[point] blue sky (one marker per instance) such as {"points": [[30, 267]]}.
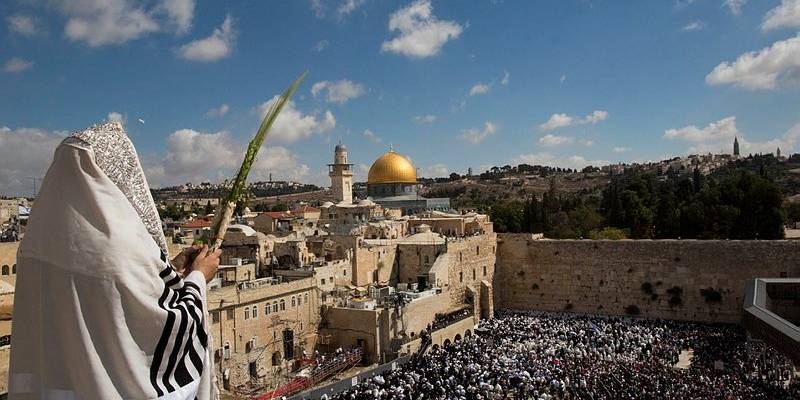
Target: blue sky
{"points": [[451, 84]]}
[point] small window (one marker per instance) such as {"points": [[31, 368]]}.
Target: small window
{"points": [[255, 311], [294, 304], [473, 274], [5, 269], [229, 314], [461, 277], [215, 317], [305, 298], [14, 269], [301, 325], [344, 271], [478, 250], [266, 309], [324, 297], [247, 313], [274, 306], [323, 281], [484, 270], [427, 259], [283, 305]]}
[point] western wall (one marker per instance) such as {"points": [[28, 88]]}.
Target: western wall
{"points": [[675, 279]]}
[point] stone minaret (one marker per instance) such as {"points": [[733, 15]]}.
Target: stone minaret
{"points": [[341, 174], [735, 146]]}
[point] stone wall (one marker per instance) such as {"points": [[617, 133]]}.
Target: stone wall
{"points": [[657, 278]]}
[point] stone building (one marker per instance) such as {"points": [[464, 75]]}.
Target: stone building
{"points": [[261, 328]]}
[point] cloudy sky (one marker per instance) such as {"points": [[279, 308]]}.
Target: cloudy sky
{"points": [[452, 84]]}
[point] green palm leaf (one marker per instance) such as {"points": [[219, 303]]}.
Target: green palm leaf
{"points": [[237, 189]]}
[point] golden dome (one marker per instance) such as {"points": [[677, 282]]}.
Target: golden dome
{"points": [[392, 168]]}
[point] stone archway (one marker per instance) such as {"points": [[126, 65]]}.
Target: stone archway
{"points": [[467, 333], [446, 343], [457, 338]]}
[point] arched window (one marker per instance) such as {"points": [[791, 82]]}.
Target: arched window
{"points": [[14, 269], [274, 306], [484, 270], [266, 309], [255, 311], [305, 298], [5, 269], [247, 313], [478, 250], [294, 304], [283, 305], [473, 274], [461, 277], [427, 260]]}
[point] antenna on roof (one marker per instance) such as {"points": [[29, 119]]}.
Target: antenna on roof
{"points": [[391, 147]]}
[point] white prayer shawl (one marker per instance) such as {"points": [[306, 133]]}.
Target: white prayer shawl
{"points": [[99, 311]]}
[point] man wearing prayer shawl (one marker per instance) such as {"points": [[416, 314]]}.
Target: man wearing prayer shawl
{"points": [[100, 312]]}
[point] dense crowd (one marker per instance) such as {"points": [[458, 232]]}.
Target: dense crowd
{"points": [[568, 356]]}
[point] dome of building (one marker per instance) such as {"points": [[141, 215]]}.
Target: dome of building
{"points": [[392, 167]]}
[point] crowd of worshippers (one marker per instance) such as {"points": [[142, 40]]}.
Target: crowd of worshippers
{"points": [[534, 355], [442, 320]]}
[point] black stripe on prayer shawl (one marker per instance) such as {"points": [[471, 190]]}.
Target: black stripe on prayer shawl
{"points": [[182, 302], [173, 357], [162, 343]]}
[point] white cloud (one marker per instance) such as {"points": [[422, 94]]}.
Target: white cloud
{"points": [[556, 121], [25, 154], [15, 65], [282, 163], [477, 135], [621, 149], [595, 117], [735, 6], [561, 120], [587, 142], [425, 119], [348, 6], [506, 78], [718, 136], [292, 125], [321, 45], [722, 129], [434, 171], [22, 25], [551, 140], [421, 34], [318, 8], [339, 91], [196, 156], [371, 136], [693, 26], [217, 111], [563, 78], [107, 22], [763, 69], [547, 159], [479, 88], [215, 47], [786, 15], [180, 13], [115, 117]]}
